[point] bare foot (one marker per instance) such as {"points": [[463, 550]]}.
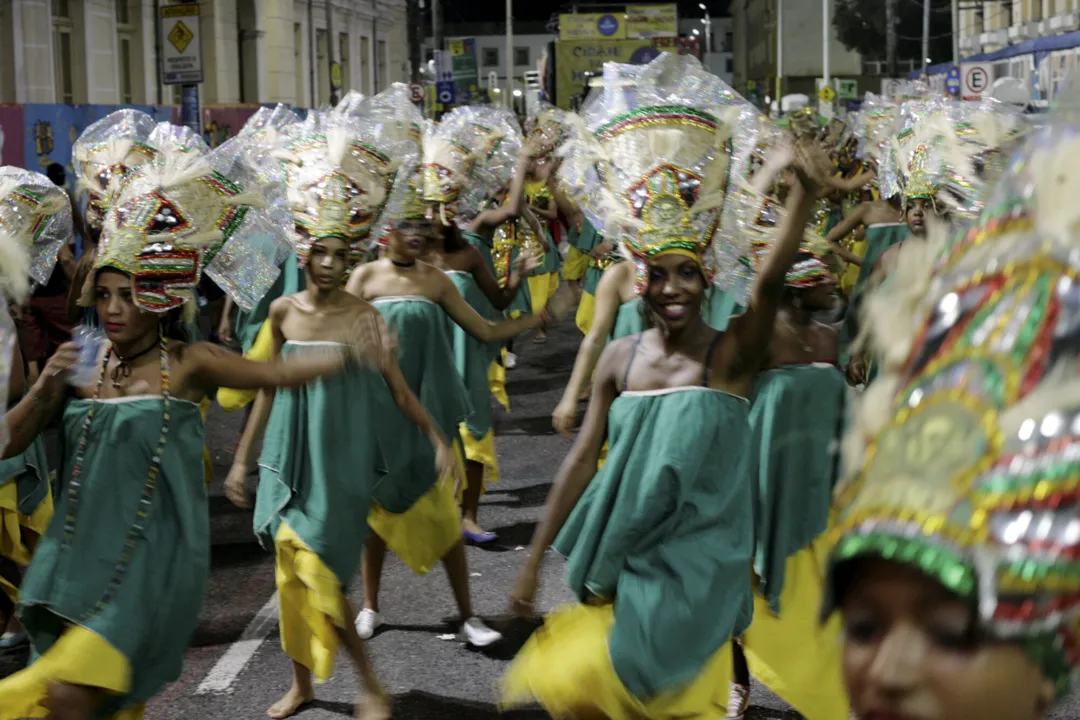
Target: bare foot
{"points": [[373, 707], [291, 703]]}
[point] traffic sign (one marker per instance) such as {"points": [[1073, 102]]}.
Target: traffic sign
{"points": [[416, 93], [847, 89], [976, 79], [952, 81], [827, 94], [444, 92], [335, 74], [444, 66], [181, 54]]}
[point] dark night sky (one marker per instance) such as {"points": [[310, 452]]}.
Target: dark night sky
{"points": [[456, 11]]}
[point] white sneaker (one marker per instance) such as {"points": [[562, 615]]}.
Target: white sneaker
{"points": [[366, 622], [477, 634], [738, 701], [511, 361]]}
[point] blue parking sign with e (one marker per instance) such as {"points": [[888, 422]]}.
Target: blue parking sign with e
{"points": [[607, 25], [444, 93], [952, 80]]}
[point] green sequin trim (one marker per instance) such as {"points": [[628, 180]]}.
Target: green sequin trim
{"points": [[944, 565], [641, 112]]}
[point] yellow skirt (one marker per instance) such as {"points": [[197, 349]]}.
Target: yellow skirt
{"points": [[13, 526], [261, 351], [78, 657], [481, 451], [312, 605], [575, 265], [809, 680], [851, 272], [422, 535], [585, 310], [566, 667], [497, 381], [541, 288]]}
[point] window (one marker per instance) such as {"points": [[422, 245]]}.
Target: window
{"points": [[343, 59], [521, 57], [322, 66], [63, 76], [729, 41], [125, 34], [298, 62], [727, 65], [383, 67], [491, 57], [365, 65]]}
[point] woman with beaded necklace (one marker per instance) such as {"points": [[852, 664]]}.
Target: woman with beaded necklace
{"points": [[113, 593]]}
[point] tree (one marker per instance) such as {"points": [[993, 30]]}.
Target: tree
{"points": [[860, 25]]}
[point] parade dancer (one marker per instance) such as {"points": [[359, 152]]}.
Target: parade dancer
{"points": [[35, 224], [660, 541], [953, 549], [316, 471], [112, 595], [796, 415], [414, 514], [474, 153]]}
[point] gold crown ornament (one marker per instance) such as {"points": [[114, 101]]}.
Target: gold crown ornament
{"points": [[468, 157], [963, 459], [650, 167], [185, 213]]}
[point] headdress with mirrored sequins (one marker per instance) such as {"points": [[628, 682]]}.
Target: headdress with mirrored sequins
{"points": [[546, 131], [35, 222], [468, 157], [962, 458], [188, 212], [650, 167], [339, 173]]}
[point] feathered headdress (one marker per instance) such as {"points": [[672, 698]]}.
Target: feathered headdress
{"points": [[962, 458], [188, 212], [467, 157], [651, 166]]}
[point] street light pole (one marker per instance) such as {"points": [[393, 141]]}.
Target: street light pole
{"points": [[956, 32], [708, 29], [925, 37], [510, 54], [779, 52], [826, 79]]}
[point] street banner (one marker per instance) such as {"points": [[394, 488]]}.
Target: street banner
{"points": [[466, 75], [575, 58], [651, 21], [592, 26]]}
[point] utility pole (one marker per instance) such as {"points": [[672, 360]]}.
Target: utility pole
{"points": [[779, 55], [414, 19], [956, 32], [925, 38], [332, 67], [437, 25], [890, 37], [826, 78], [510, 54]]}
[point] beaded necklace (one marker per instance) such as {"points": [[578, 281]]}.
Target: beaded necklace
{"points": [[75, 484]]}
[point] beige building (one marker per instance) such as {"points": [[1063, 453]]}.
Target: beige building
{"points": [[755, 48], [253, 51], [993, 24]]}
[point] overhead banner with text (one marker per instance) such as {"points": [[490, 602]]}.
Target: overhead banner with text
{"points": [[574, 59], [592, 26], [651, 21]]}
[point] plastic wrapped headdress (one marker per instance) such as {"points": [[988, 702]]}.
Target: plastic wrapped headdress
{"points": [[339, 173], [650, 168], [546, 131], [188, 212], [468, 157], [963, 460]]}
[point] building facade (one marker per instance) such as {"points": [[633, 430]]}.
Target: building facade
{"points": [[530, 43], [717, 43], [755, 49], [105, 52]]}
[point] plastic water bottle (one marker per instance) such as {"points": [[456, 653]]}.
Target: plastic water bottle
{"points": [[85, 372]]}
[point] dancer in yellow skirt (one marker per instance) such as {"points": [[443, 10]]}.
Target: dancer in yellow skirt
{"points": [[659, 542]]}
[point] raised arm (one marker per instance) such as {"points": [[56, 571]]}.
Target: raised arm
{"points": [[537, 228], [499, 297], [574, 476], [851, 184], [608, 300], [845, 227], [38, 407], [494, 217], [470, 321]]}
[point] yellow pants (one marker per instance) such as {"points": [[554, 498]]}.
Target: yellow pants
{"points": [[566, 667], [809, 680], [13, 526], [585, 310], [575, 265], [541, 288], [497, 381], [78, 657]]}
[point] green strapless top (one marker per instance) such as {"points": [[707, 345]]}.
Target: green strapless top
{"points": [[666, 530]]}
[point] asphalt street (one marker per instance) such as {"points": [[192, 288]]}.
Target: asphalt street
{"points": [[235, 668]]}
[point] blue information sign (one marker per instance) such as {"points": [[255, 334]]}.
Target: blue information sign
{"points": [[607, 25], [444, 93], [952, 81]]}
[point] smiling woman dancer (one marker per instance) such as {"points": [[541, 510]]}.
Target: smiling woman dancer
{"points": [[954, 551], [113, 593], [659, 541], [35, 222]]}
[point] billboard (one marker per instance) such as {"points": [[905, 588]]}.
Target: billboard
{"points": [[574, 58], [592, 26], [466, 76], [650, 21]]}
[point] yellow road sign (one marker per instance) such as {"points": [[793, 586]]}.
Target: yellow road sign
{"points": [[827, 94], [335, 74], [180, 36]]}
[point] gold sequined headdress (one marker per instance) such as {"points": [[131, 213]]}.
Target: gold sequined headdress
{"points": [[962, 458], [467, 157], [546, 131], [188, 212], [650, 166]]}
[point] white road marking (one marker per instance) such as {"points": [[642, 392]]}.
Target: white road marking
{"points": [[232, 663]]}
